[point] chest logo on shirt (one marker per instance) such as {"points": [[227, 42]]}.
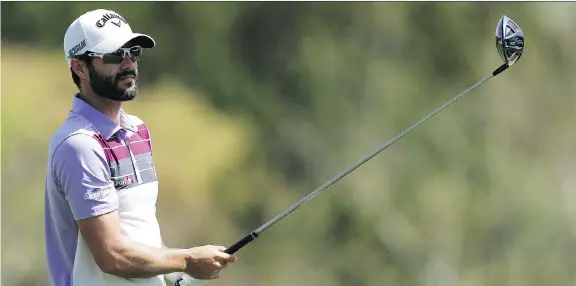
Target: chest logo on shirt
{"points": [[123, 182]]}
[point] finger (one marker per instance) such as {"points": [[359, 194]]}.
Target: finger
{"points": [[217, 265], [225, 258], [219, 247], [222, 257], [208, 277], [229, 259]]}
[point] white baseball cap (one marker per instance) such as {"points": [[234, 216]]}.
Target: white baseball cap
{"points": [[101, 31]]}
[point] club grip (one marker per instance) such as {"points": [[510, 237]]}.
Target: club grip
{"points": [[241, 243]]}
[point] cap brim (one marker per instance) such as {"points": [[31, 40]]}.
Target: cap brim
{"points": [[113, 43]]}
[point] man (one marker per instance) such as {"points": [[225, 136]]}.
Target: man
{"points": [[101, 184]]}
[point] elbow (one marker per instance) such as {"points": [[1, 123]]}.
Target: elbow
{"points": [[109, 268], [111, 264]]}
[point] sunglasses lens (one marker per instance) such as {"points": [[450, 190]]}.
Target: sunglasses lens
{"points": [[118, 56], [112, 58]]}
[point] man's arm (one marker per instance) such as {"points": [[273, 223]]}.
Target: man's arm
{"points": [[116, 255], [81, 169]]}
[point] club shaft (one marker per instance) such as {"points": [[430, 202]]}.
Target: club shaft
{"points": [[254, 234], [371, 155]]}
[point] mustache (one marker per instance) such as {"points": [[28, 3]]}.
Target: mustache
{"points": [[126, 73]]}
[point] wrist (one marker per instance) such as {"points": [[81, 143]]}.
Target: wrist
{"points": [[176, 258]]}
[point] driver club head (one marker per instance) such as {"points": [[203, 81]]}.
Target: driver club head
{"points": [[509, 40]]}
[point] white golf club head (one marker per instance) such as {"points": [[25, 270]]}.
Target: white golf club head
{"points": [[509, 40]]}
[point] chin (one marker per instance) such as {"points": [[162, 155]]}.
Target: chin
{"points": [[128, 90], [126, 97]]}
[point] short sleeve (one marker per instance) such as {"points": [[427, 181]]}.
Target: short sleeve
{"points": [[80, 168]]}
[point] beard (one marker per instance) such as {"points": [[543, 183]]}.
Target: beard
{"points": [[107, 86]]}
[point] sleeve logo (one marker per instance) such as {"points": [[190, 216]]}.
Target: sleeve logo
{"points": [[98, 194]]}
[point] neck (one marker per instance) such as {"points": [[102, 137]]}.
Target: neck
{"points": [[108, 107]]}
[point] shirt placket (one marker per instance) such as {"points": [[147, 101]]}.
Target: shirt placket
{"points": [[124, 136]]}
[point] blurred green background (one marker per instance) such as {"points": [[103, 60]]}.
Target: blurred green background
{"points": [[253, 105]]}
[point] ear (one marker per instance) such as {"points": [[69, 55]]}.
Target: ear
{"points": [[80, 68]]}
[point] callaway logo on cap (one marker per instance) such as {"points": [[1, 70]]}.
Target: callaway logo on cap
{"points": [[101, 31]]}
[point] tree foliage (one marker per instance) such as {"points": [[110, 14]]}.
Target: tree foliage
{"points": [[276, 98]]}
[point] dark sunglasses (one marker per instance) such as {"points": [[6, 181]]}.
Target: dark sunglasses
{"points": [[118, 56]]}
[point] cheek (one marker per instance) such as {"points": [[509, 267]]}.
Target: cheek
{"points": [[106, 70], [111, 71], [104, 73]]}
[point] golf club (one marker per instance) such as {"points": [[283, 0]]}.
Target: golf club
{"points": [[510, 46]]}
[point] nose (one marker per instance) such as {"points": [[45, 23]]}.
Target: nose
{"points": [[127, 63]]}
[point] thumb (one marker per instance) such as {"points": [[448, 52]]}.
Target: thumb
{"points": [[231, 258]]}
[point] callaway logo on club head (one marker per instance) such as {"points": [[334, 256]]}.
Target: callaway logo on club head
{"points": [[509, 40], [109, 17]]}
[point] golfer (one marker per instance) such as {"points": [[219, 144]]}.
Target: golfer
{"points": [[101, 184]]}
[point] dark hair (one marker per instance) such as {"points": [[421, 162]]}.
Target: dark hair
{"points": [[88, 60]]}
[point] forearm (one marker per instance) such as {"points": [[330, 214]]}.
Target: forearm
{"points": [[134, 260], [171, 277]]}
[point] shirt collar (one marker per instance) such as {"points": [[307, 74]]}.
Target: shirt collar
{"points": [[106, 126]]}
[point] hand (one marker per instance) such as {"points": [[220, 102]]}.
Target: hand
{"points": [[206, 262]]}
